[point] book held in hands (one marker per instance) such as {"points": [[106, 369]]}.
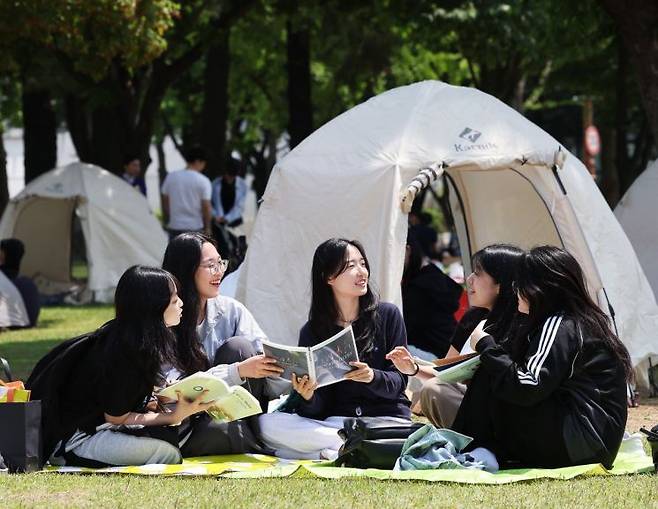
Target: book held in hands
{"points": [[326, 362], [457, 369], [230, 403]]}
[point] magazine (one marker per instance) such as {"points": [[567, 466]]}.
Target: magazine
{"points": [[326, 362], [231, 403], [457, 369]]}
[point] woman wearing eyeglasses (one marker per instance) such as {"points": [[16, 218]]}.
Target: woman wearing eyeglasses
{"points": [[217, 334]]}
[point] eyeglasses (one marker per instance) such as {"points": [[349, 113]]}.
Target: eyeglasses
{"points": [[216, 267]]}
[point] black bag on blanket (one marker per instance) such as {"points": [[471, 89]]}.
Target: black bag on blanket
{"points": [[20, 436], [373, 442], [652, 438]]}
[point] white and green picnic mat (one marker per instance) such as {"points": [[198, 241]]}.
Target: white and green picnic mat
{"points": [[632, 459]]}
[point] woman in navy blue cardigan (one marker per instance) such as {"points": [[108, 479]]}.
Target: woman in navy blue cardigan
{"points": [[342, 296]]}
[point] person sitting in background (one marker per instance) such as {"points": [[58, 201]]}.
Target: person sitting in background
{"points": [[449, 261], [420, 225], [429, 301], [132, 173], [11, 255]]}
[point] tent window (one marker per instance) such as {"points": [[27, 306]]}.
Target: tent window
{"points": [[503, 206], [44, 226]]}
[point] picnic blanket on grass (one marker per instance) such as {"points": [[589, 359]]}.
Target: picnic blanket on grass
{"points": [[632, 459]]}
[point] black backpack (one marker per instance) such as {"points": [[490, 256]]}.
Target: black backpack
{"points": [[49, 376]]}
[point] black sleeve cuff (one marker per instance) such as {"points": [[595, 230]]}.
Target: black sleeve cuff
{"points": [[485, 343]]}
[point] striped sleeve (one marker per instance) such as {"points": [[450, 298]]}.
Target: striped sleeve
{"points": [[548, 362]]}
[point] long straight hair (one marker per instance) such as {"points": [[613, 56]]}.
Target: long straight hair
{"points": [[330, 260], [552, 282], [501, 262], [138, 329], [182, 258]]}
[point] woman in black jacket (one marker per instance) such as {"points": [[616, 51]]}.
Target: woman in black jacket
{"points": [[555, 394]]}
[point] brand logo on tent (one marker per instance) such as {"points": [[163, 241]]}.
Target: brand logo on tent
{"points": [[57, 187], [470, 134]]}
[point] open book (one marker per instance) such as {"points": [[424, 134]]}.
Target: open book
{"points": [[231, 403], [326, 362], [457, 369]]}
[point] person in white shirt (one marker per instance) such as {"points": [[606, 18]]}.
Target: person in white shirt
{"points": [[186, 196]]}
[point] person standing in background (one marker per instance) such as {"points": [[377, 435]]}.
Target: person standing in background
{"points": [[228, 198], [132, 173], [186, 196]]}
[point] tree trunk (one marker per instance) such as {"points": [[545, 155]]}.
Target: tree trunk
{"points": [[215, 105], [77, 122], [262, 162], [162, 161], [4, 184], [39, 132], [108, 139], [125, 122], [621, 109], [637, 21], [300, 107]]}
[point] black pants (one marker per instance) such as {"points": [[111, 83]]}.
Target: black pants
{"points": [[210, 437], [519, 436]]}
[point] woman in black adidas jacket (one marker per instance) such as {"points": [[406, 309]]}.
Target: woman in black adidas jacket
{"points": [[555, 395]]}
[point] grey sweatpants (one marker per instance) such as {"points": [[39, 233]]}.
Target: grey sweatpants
{"points": [[116, 448]]}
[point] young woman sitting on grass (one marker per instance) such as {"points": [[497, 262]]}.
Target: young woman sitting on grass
{"points": [[96, 390], [219, 335], [342, 296], [556, 395], [491, 295]]}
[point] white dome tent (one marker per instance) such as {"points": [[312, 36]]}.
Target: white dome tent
{"points": [[637, 212], [509, 180], [118, 227]]}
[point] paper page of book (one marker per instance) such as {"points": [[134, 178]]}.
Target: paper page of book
{"points": [[293, 359], [195, 384], [238, 404], [332, 357]]}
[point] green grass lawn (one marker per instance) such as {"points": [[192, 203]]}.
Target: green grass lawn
{"points": [[23, 348]]}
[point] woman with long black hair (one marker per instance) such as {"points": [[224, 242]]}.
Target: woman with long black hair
{"points": [[342, 296], [96, 390], [219, 335], [492, 298], [555, 395]]}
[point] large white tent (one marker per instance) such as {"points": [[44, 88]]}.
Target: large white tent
{"points": [[637, 212], [509, 181], [118, 227]]}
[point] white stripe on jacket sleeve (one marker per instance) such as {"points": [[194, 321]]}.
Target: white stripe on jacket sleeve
{"points": [[530, 376]]}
